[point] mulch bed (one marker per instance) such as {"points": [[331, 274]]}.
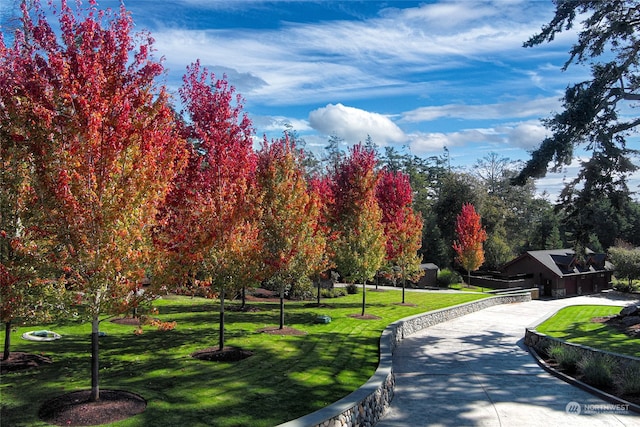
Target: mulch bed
{"points": [[365, 316], [407, 304], [227, 354], [241, 309], [275, 330], [18, 361], [616, 322], [132, 321], [75, 409]]}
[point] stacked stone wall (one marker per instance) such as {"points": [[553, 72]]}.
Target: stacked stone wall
{"points": [[365, 406]]}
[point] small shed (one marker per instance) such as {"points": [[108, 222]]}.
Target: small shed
{"points": [[428, 280]]}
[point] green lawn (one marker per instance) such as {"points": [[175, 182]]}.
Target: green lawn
{"points": [[467, 288], [287, 377], [573, 324]]}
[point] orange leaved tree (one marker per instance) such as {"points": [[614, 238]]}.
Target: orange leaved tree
{"points": [[100, 136], [292, 242], [469, 239], [23, 294]]}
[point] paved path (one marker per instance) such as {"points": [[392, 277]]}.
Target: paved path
{"points": [[475, 371]]}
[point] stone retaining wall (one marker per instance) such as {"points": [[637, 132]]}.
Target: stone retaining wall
{"points": [[365, 406], [540, 341]]}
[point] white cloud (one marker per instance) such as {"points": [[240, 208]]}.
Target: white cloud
{"points": [[521, 136], [326, 60], [526, 135], [521, 108], [354, 125], [426, 143]]}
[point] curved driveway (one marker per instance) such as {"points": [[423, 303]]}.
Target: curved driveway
{"points": [[475, 371]]}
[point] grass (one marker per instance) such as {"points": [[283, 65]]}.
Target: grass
{"points": [[287, 377], [573, 324], [466, 288]]}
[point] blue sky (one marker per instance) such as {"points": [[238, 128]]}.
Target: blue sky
{"points": [[418, 76]]}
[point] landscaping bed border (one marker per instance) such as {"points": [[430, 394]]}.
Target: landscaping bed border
{"points": [[535, 340], [365, 406]]}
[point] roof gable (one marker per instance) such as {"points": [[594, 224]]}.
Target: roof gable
{"points": [[562, 262]]}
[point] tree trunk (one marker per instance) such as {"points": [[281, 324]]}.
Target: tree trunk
{"points": [[221, 340], [281, 308], [244, 297], [319, 281], [364, 295], [404, 284], [95, 366], [468, 278], [7, 340]]}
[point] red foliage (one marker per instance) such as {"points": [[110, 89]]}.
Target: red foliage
{"points": [[211, 196], [101, 142], [353, 183], [402, 225], [358, 246], [102, 146]]}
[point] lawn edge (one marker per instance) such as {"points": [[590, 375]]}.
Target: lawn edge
{"points": [[367, 404]]}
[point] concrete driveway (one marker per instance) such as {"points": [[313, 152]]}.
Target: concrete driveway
{"points": [[475, 371]]}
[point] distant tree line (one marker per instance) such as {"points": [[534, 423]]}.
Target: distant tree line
{"points": [[516, 218]]}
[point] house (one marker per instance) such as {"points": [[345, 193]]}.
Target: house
{"points": [[559, 273]]}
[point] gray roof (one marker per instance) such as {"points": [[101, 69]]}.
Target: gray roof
{"points": [[554, 258]]}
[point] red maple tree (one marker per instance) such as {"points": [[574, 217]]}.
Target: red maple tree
{"points": [[470, 237], [320, 186], [402, 225], [100, 135], [205, 222], [359, 245]]}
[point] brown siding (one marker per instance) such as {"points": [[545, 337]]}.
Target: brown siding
{"points": [[525, 265]]}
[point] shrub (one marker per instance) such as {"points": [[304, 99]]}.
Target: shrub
{"points": [[567, 357], [352, 288], [625, 286], [622, 286], [301, 289], [597, 370], [629, 378], [448, 277], [543, 347], [332, 293]]}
